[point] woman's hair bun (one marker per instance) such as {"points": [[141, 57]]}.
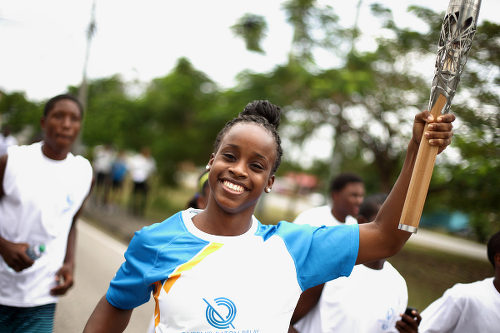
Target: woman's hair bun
{"points": [[265, 109]]}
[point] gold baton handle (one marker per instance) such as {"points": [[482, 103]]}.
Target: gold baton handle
{"points": [[420, 177]]}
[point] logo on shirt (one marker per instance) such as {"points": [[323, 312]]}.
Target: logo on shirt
{"points": [[222, 314], [69, 203]]}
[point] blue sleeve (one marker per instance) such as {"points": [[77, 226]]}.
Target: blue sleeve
{"points": [[129, 288], [322, 253]]}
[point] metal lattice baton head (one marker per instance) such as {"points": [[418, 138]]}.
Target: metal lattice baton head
{"points": [[457, 31]]}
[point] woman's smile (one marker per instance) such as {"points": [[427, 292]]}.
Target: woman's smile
{"points": [[232, 187]]}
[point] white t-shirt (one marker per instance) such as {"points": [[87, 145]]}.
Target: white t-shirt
{"points": [[367, 301], [41, 198], [322, 215], [246, 283], [103, 159], [141, 167], [464, 308]]}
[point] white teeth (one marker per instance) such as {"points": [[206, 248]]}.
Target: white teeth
{"points": [[233, 187]]}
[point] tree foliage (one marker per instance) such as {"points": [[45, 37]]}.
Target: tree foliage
{"points": [[369, 101], [252, 28]]}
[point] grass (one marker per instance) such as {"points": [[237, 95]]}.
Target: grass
{"points": [[428, 272]]}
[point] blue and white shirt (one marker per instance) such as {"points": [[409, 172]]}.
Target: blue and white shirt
{"points": [[245, 283]]}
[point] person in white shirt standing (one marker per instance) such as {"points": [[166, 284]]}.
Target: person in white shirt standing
{"points": [[470, 307], [370, 300], [43, 187], [141, 168], [347, 191]]}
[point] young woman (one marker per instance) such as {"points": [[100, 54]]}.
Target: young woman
{"points": [[222, 270]]}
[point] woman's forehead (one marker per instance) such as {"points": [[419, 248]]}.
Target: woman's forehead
{"points": [[248, 131], [249, 134]]}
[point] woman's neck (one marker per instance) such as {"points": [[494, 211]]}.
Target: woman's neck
{"points": [[217, 222]]}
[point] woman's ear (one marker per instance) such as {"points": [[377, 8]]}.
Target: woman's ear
{"points": [[270, 182], [210, 161]]}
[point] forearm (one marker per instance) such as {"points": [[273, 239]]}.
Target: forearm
{"points": [[3, 246], [389, 214], [69, 258], [107, 319], [382, 238]]}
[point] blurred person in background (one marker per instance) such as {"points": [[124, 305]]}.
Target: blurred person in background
{"points": [[372, 299], [43, 187], [199, 200], [141, 166], [104, 156], [119, 172], [6, 140], [468, 307], [347, 191]]}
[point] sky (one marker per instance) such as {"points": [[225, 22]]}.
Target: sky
{"points": [[44, 42]]}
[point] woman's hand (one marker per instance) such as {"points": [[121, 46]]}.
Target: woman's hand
{"points": [[439, 131]]}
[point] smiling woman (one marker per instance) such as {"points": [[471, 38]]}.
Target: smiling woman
{"points": [[208, 269]]}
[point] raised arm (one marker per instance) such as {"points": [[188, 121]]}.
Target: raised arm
{"points": [[107, 319], [381, 238]]}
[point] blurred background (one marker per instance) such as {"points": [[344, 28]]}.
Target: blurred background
{"points": [[350, 76]]}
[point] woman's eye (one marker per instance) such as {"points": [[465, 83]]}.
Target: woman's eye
{"points": [[257, 166], [228, 156]]}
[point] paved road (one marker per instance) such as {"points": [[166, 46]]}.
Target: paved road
{"points": [[98, 256], [449, 244]]}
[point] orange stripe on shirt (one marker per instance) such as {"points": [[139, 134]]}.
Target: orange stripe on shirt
{"points": [[212, 247], [157, 287]]}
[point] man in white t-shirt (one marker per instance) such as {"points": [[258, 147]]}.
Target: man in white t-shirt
{"points": [[141, 167], [471, 307], [347, 191], [370, 300], [42, 189]]}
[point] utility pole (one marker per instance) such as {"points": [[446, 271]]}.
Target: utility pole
{"points": [[82, 91]]}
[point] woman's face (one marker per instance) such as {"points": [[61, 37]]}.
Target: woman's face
{"points": [[241, 168]]}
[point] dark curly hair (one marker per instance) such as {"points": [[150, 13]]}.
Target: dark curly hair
{"points": [[263, 113]]}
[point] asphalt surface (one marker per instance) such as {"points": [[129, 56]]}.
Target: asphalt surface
{"points": [[98, 257]]}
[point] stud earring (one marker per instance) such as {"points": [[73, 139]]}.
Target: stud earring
{"points": [[207, 167], [267, 190]]}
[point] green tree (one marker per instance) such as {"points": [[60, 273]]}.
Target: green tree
{"points": [[179, 116], [19, 113]]}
